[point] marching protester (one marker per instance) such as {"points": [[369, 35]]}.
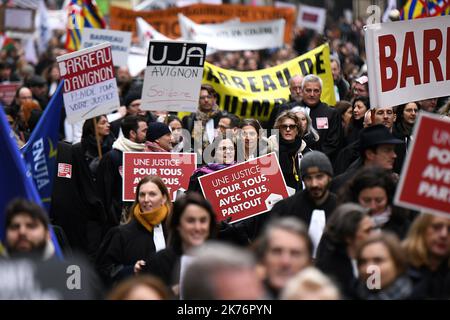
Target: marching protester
{"points": [[427, 248], [283, 249], [143, 234], [373, 188], [385, 253], [324, 118], [109, 181], [376, 147], [159, 138], [295, 98], [290, 148], [223, 153], [250, 142], [191, 222], [310, 135], [76, 204], [27, 231], [348, 226], [203, 123], [227, 273], [177, 139]]}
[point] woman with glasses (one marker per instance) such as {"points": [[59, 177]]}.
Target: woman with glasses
{"points": [[290, 147], [222, 153]]}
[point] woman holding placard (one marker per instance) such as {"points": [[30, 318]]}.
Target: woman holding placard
{"points": [[223, 153]]}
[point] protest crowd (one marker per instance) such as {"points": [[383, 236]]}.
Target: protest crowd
{"points": [[335, 231]]}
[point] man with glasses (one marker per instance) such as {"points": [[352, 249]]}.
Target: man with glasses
{"points": [[325, 119], [295, 88], [202, 124]]}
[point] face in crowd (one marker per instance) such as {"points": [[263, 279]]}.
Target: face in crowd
{"points": [[176, 127], [224, 125], [206, 101], [103, 126], [375, 199], [377, 254], [335, 70], [194, 226], [295, 87], [359, 110], [303, 121], [288, 129], [250, 137], [410, 113], [437, 238], [317, 183], [225, 152], [286, 255], [311, 93], [135, 108], [26, 235], [140, 135], [385, 116], [150, 197], [383, 156]]}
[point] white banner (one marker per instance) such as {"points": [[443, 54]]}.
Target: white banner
{"points": [[311, 17], [235, 36], [408, 60], [173, 76], [120, 42], [90, 88]]}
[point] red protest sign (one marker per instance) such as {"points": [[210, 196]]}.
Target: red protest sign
{"points": [[174, 169], [425, 179], [8, 91], [245, 190], [90, 87]]}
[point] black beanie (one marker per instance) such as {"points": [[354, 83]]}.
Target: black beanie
{"points": [[156, 130]]}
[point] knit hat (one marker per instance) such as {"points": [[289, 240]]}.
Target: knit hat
{"points": [[132, 96], [156, 130], [316, 159]]}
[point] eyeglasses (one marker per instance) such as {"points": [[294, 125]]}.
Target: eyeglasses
{"points": [[227, 149], [288, 126], [206, 97]]}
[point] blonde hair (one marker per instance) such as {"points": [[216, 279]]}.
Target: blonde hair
{"points": [[415, 246], [308, 284]]}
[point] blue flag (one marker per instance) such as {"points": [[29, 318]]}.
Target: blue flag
{"points": [[15, 179], [41, 149]]}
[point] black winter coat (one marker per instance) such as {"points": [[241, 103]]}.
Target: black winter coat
{"points": [[76, 206], [333, 260], [122, 247]]}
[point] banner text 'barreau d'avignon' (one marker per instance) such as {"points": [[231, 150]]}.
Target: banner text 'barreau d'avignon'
{"points": [[253, 94], [166, 21]]}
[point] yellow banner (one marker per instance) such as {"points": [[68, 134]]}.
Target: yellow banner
{"points": [[253, 94]]}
